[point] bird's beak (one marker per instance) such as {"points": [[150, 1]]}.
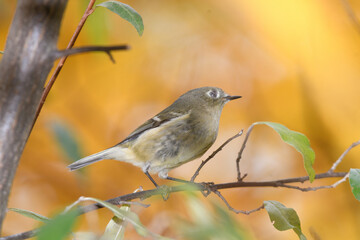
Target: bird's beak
{"points": [[229, 98]]}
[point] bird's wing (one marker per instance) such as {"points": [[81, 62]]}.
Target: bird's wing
{"points": [[158, 120]]}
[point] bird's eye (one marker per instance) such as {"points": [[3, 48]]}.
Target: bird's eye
{"points": [[212, 94]]}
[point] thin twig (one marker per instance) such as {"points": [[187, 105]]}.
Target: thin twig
{"points": [[278, 183], [235, 210], [21, 236], [214, 153], [334, 166], [241, 151], [83, 199], [89, 10], [106, 49], [308, 189]]}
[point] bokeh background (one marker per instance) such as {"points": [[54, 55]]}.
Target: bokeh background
{"points": [[294, 62]]}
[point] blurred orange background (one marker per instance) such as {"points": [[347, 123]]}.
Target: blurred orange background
{"points": [[294, 62]]}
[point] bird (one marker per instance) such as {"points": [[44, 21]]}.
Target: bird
{"points": [[182, 132]]}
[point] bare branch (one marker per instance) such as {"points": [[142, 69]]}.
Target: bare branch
{"points": [[106, 49], [278, 183], [241, 151], [23, 235], [334, 166], [197, 187], [317, 188], [214, 153], [89, 10], [235, 210]]}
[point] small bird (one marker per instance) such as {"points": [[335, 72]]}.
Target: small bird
{"points": [[180, 133]]}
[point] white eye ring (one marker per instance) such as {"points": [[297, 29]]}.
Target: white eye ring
{"points": [[213, 94]]}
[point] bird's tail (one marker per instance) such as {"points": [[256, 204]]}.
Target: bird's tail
{"points": [[110, 153]]}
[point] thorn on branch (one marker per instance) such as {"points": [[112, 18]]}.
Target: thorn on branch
{"points": [[243, 177]]}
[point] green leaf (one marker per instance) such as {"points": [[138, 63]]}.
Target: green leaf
{"points": [[1, 52], [126, 12], [66, 140], [283, 218], [30, 214], [299, 141], [129, 216], [354, 180], [59, 227]]}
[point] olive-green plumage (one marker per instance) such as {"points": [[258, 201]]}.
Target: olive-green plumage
{"points": [[180, 133]]}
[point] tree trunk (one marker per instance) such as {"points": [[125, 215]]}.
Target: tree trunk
{"points": [[27, 60]]}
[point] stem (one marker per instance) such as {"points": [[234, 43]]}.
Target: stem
{"points": [[89, 10], [241, 151], [213, 154]]}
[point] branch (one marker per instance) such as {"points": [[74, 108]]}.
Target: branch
{"points": [[319, 187], [279, 183], [284, 183], [106, 49], [89, 10], [334, 166], [233, 209], [24, 67], [240, 154], [23, 235], [213, 155], [195, 187]]}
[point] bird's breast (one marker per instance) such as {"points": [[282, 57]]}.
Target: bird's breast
{"points": [[176, 142]]}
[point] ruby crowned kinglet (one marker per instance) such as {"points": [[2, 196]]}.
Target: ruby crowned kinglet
{"points": [[180, 133]]}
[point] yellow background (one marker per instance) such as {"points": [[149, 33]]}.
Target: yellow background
{"points": [[295, 62]]}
